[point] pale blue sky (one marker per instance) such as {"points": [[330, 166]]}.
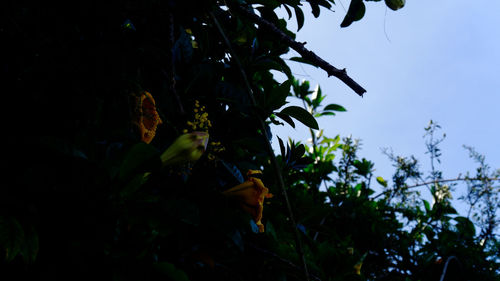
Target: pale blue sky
{"points": [[440, 61]]}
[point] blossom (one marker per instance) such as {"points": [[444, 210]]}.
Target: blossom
{"points": [[201, 121], [186, 148], [145, 116], [359, 264], [357, 268], [250, 194]]}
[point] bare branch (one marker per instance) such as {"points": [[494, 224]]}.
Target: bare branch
{"points": [[304, 52]]}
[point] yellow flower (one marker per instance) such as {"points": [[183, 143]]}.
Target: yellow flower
{"points": [[357, 268], [200, 122], [186, 148], [145, 116], [250, 195]]}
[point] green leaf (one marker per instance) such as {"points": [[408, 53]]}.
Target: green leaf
{"points": [[429, 232], [363, 167], [282, 146], [171, 271], [303, 60], [315, 8], [355, 12], [134, 184], [183, 210], [301, 115], [277, 96], [140, 157], [334, 107], [299, 151], [271, 231], [449, 210], [324, 3], [395, 4], [317, 97], [29, 249], [301, 90], [465, 227], [288, 11], [300, 17], [381, 181], [325, 113], [11, 237], [286, 118], [267, 63], [427, 205]]}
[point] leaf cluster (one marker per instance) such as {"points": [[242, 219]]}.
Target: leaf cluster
{"points": [[87, 199]]}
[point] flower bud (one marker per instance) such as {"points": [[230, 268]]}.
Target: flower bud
{"points": [[186, 148]]}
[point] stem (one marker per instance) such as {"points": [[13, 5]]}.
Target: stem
{"points": [[446, 267], [313, 136], [299, 47], [320, 223], [170, 73], [268, 146]]}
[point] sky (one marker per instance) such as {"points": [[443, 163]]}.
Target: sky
{"points": [[434, 60]]}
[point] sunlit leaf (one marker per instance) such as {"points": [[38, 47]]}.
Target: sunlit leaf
{"points": [[427, 205], [334, 107], [382, 181]]}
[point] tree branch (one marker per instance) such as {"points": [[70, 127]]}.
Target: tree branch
{"points": [[299, 47]]}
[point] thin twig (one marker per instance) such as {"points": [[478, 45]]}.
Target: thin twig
{"points": [[268, 146], [170, 73], [451, 180], [443, 274], [304, 52], [441, 181], [320, 224]]}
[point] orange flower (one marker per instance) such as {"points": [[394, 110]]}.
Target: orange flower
{"points": [[359, 264], [145, 116], [357, 268], [250, 195]]}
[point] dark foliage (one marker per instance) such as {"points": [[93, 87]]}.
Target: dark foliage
{"points": [[84, 198]]}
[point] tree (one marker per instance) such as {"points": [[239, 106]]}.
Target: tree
{"points": [[136, 154]]}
